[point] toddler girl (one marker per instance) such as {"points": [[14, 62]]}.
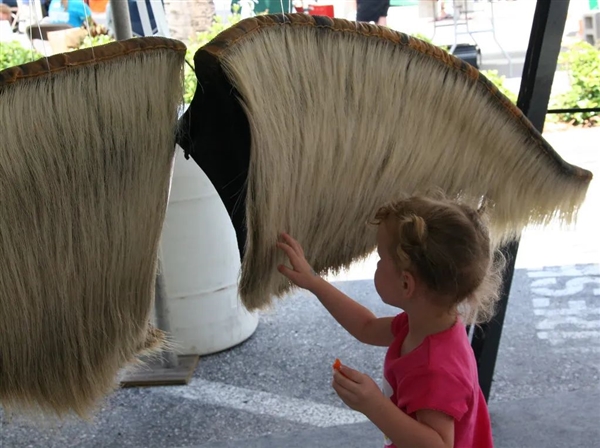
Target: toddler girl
{"points": [[436, 263]]}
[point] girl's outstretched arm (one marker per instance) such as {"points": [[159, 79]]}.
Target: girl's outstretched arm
{"points": [[359, 321]]}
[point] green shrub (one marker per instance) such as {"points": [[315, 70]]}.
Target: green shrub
{"points": [[13, 53], [582, 62], [498, 80], [95, 41], [422, 37], [198, 41]]}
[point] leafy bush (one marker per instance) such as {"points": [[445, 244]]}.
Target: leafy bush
{"points": [[13, 53], [201, 39], [94, 41], [498, 80], [422, 37], [582, 62]]}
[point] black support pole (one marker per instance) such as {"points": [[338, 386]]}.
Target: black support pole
{"points": [[536, 83], [121, 19]]}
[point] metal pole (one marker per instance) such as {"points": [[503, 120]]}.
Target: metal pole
{"points": [[169, 358], [122, 26], [121, 19], [536, 83]]}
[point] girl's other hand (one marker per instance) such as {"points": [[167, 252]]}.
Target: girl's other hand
{"points": [[357, 389]]}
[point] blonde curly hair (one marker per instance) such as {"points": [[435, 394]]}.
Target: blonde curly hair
{"points": [[447, 245]]}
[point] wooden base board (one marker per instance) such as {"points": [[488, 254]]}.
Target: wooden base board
{"points": [[155, 374]]}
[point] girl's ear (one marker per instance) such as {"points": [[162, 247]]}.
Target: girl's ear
{"points": [[408, 283]]}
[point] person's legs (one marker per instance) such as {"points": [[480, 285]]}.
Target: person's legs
{"points": [[372, 11], [384, 7], [365, 12]]}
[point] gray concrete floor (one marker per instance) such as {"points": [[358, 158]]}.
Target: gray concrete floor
{"points": [[274, 390]]}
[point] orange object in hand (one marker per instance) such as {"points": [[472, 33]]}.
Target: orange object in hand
{"points": [[337, 365]]}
